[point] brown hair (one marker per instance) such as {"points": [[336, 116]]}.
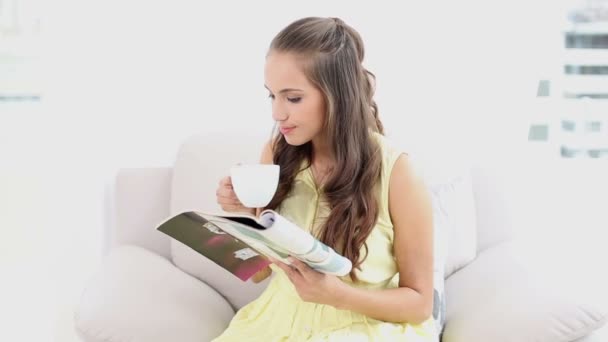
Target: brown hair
{"points": [[331, 54]]}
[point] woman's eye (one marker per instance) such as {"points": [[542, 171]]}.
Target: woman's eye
{"points": [[294, 99]]}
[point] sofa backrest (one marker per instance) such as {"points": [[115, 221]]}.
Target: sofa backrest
{"points": [[494, 209], [202, 161], [134, 205]]}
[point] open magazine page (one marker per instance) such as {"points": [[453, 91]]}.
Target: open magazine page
{"points": [[277, 237], [253, 237], [207, 239], [303, 245]]}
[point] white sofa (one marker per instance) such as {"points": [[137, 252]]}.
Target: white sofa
{"points": [[152, 289]]}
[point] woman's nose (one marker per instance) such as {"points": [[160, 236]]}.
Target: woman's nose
{"points": [[279, 113]]}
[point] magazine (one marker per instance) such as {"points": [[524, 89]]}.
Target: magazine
{"points": [[239, 242]]}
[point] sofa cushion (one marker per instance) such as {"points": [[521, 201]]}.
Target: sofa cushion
{"points": [[140, 296], [497, 298], [454, 234], [494, 187], [454, 205], [199, 166]]}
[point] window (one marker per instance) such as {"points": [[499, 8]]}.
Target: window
{"points": [[19, 50], [577, 117]]}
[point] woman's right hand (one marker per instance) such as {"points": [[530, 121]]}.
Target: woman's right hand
{"points": [[226, 198]]}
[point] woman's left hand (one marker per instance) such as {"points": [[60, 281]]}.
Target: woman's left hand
{"points": [[313, 286]]}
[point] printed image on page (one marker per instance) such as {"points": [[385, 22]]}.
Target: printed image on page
{"points": [[206, 238], [251, 237]]}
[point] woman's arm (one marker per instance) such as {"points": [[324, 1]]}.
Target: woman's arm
{"points": [[411, 213]]}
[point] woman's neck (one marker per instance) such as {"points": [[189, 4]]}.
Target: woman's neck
{"points": [[321, 153]]}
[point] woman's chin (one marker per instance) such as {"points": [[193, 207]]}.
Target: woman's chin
{"points": [[294, 141]]}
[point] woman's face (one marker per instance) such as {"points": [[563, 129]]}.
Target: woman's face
{"points": [[298, 106]]}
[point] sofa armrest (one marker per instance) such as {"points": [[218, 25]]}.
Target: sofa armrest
{"points": [[136, 203], [498, 298], [140, 296]]}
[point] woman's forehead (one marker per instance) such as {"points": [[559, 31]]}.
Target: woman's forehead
{"points": [[283, 71]]}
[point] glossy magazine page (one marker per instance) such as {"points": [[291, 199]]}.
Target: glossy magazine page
{"points": [[209, 240], [242, 238], [277, 237]]}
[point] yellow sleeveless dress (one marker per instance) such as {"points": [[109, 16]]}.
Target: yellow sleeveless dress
{"points": [[280, 315]]}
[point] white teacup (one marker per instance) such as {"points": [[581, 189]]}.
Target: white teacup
{"points": [[255, 184]]}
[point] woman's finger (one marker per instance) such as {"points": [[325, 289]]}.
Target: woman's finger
{"points": [[284, 267], [230, 208], [225, 193], [226, 181], [227, 201], [289, 271], [303, 268]]}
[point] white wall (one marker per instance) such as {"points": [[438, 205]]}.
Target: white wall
{"points": [[136, 77], [127, 81]]}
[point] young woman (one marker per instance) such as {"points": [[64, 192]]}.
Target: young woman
{"points": [[344, 183]]}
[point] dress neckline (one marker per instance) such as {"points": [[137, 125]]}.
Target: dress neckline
{"points": [[311, 179]]}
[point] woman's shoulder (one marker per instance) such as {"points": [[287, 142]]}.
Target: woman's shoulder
{"points": [[390, 151]]}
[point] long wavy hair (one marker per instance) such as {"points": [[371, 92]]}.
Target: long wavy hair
{"points": [[331, 55]]}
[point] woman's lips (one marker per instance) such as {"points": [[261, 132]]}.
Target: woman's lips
{"points": [[286, 130]]}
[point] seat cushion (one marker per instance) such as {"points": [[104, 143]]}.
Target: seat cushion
{"points": [[496, 298], [138, 296]]}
